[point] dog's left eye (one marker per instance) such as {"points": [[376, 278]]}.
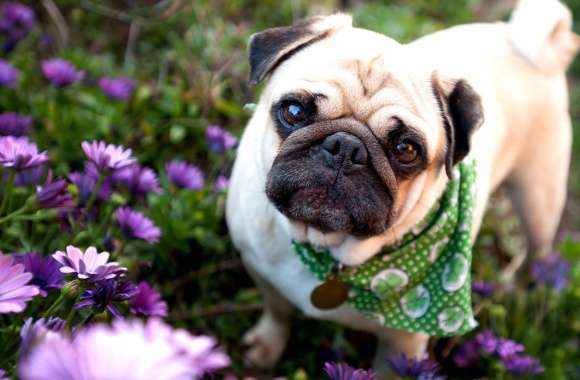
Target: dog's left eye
{"points": [[293, 114]]}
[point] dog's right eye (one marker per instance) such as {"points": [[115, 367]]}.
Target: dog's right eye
{"points": [[292, 114]]}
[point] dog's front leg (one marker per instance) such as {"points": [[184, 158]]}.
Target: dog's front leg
{"points": [[265, 342], [392, 342]]}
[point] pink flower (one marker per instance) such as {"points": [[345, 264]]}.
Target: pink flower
{"points": [[14, 289], [89, 264]]}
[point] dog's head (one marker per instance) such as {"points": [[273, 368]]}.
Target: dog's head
{"points": [[364, 132]]}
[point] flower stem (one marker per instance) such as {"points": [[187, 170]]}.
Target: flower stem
{"points": [[94, 194], [54, 306], [14, 214], [7, 192]]}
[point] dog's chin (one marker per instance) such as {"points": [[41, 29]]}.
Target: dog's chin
{"points": [[304, 233]]}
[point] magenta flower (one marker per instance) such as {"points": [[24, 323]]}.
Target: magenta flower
{"points": [[137, 226], [483, 289], [120, 88], [105, 294], [342, 371], [14, 124], [16, 20], [107, 157], [32, 332], [138, 179], [8, 74], [18, 153], [221, 183], [60, 72], [552, 271], [184, 175], [147, 302], [89, 265], [54, 194], [45, 271], [414, 368], [219, 140], [128, 350], [15, 290]]}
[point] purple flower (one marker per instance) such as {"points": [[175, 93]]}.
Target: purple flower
{"points": [[552, 271], [219, 140], [507, 348], [18, 153], [8, 74], [15, 290], [120, 88], [221, 183], [467, 354], [342, 371], [487, 341], [14, 124], [30, 177], [32, 332], [414, 368], [147, 301], [105, 294], [128, 350], [86, 184], [89, 265], [107, 157], [184, 175], [16, 19], [138, 179], [60, 72], [45, 271], [523, 365], [3, 375], [484, 289], [137, 226], [54, 194]]}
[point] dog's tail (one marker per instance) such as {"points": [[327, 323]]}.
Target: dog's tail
{"points": [[541, 31]]}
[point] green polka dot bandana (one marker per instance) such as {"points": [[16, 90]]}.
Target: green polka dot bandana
{"points": [[423, 284]]}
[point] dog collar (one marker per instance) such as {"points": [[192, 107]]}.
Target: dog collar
{"points": [[423, 284]]}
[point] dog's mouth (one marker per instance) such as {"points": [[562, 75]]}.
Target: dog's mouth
{"points": [[331, 185]]}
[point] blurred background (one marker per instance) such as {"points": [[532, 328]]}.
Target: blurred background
{"points": [[188, 59]]}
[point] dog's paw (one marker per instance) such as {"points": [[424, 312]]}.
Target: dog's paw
{"points": [[264, 344]]}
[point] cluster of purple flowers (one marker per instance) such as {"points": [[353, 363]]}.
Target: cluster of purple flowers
{"points": [[411, 368], [487, 344], [342, 371], [551, 271], [16, 21]]}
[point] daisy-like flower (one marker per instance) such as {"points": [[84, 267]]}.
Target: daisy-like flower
{"points": [[184, 175], [138, 179], [14, 124], [147, 302], [221, 183], [342, 371], [120, 88], [15, 290], [219, 140], [552, 271], [105, 294], [483, 289], [33, 332], [54, 194], [31, 177], [414, 368], [19, 153], [128, 350], [45, 271], [107, 157], [89, 264], [8, 74], [60, 72], [137, 226]]}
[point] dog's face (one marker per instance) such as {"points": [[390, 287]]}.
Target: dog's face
{"points": [[364, 132]]}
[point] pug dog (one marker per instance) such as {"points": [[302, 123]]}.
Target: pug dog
{"points": [[355, 137]]}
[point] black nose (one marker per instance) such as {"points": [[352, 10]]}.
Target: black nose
{"points": [[342, 149]]}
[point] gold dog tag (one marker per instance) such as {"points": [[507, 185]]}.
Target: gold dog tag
{"points": [[330, 294]]}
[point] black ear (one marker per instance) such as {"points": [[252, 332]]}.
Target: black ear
{"points": [[271, 47], [462, 114]]}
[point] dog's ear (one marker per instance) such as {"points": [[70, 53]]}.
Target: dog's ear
{"points": [[271, 47], [462, 114]]}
